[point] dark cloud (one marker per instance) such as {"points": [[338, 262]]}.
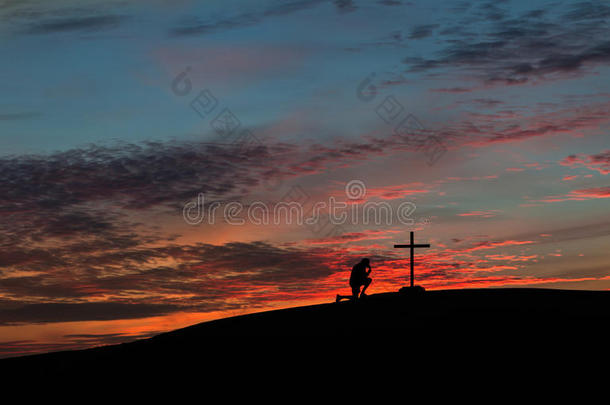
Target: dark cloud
{"points": [[422, 31], [68, 232], [487, 102], [535, 13], [452, 90], [514, 50], [599, 161], [68, 219], [194, 25], [69, 192], [291, 6], [39, 17], [204, 278], [134, 176], [83, 23], [345, 6], [390, 2], [492, 11], [588, 11]]}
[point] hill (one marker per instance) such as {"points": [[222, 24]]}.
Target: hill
{"points": [[393, 318]]}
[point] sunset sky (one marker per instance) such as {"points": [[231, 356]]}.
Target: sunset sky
{"points": [[488, 118]]}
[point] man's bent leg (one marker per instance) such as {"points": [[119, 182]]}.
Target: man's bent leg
{"points": [[355, 292], [367, 282]]}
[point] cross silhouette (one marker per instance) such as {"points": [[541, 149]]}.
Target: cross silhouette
{"points": [[412, 246]]}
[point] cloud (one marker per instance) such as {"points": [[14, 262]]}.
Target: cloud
{"points": [[579, 195], [202, 278], [511, 49], [422, 31], [83, 224], [482, 214], [42, 17], [452, 90], [493, 245], [390, 2], [599, 162], [596, 192], [587, 11], [82, 23], [345, 6], [353, 237], [130, 283], [512, 127], [554, 236], [203, 26], [512, 258], [133, 176], [89, 190], [398, 191]]}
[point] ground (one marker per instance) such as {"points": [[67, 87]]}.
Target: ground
{"points": [[382, 323]]}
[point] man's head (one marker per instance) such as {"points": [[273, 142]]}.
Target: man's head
{"points": [[365, 261]]}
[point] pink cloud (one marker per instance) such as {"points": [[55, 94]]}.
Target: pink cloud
{"points": [[572, 121], [396, 192], [580, 195], [483, 214], [599, 192], [599, 162], [353, 237], [493, 245]]}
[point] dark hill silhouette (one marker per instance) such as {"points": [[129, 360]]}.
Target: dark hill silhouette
{"points": [[388, 317]]}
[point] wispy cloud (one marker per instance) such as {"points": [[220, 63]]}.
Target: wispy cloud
{"points": [[518, 49], [579, 195], [83, 23], [599, 162], [193, 25]]}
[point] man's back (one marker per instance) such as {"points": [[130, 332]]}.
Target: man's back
{"points": [[358, 272]]}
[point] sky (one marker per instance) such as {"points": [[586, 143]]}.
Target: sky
{"points": [[152, 153]]}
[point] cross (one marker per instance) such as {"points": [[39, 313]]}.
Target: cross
{"points": [[412, 246]]}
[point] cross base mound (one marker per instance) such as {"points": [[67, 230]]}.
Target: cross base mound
{"points": [[416, 289]]}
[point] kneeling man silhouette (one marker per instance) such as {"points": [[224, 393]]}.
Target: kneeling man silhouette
{"points": [[359, 277]]}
